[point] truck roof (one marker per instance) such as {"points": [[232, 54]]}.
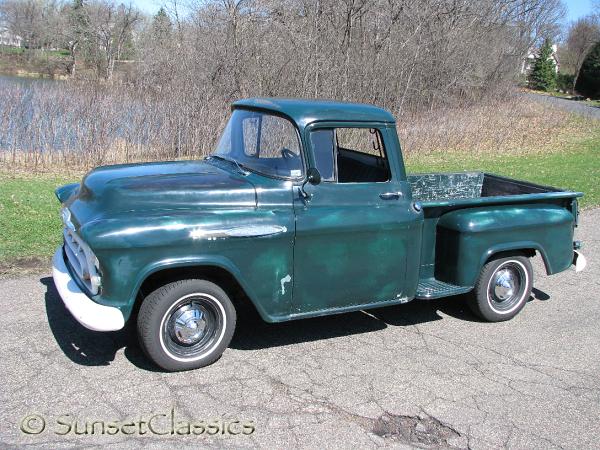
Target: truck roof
{"points": [[304, 111]]}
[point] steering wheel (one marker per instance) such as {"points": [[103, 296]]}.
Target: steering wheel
{"points": [[287, 153]]}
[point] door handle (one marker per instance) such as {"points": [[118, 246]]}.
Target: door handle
{"points": [[390, 195]]}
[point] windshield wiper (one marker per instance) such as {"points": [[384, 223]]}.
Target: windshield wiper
{"points": [[239, 166]]}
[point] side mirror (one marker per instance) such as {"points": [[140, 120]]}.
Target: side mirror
{"points": [[313, 176]]}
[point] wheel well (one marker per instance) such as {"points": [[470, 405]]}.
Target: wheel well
{"points": [[529, 252], [217, 275]]}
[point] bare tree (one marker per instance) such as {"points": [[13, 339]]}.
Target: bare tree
{"points": [[410, 56], [111, 26]]}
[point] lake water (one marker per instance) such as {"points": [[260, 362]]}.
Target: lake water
{"points": [[8, 80], [45, 115], [18, 109]]}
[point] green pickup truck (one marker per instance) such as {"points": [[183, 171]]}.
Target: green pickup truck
{"points": [[304, 209]]}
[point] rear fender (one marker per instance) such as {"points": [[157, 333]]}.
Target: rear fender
{"points": [[467, 238]]}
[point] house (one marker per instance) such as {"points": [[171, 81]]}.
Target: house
{"points": [[9, 39], [532, 54]]}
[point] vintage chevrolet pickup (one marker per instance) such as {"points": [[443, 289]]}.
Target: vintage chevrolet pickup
{"points": [[304, 209]]}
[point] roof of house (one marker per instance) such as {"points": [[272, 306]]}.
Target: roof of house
{"points": [[304, 111]]}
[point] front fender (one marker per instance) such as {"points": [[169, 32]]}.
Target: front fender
{"points": [[63, 193], [255, 247]]}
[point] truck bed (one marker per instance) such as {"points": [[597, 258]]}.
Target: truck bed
{"points": [[445, 189], [442, 193]]}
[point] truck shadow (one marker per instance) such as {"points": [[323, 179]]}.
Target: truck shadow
{"points": [[91, 348], [253, 333], [86, 347]]}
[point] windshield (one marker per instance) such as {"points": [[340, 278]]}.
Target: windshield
{"points": [[261, 142]]}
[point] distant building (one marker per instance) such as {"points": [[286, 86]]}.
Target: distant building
{"points": [[532, 54], [9, 39]]}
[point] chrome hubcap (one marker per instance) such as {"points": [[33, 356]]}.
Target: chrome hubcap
{"points": [[504, 284], [192, 326], [507, 286], [189, 324]]}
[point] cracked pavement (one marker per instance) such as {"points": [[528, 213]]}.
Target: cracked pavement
{"points": [[423, 374]]}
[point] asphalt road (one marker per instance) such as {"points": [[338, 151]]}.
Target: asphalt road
{"points": [[566, 104], [425, 373]]}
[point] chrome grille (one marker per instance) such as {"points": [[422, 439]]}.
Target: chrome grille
{"points": [[82, 260]]}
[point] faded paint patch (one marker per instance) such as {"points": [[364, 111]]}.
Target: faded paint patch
{"points": [[284, 280]]}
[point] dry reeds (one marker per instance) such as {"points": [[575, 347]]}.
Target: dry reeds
{"points": [[54, 126]]}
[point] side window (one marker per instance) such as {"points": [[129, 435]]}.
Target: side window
{"points": [[361, 156], [321, 142], [250, 132], [278, 138]]}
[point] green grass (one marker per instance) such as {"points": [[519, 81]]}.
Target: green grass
{"points": [[31, 227], [11, 50], [62, 53], [29, 215], [576, 167]]}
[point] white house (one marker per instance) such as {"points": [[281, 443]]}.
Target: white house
{"points": [[9, 39], [532, 54]]}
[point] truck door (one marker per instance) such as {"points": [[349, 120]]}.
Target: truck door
{"points": [[357, 231]]}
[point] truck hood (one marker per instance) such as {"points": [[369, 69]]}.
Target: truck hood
{"points": [[122, 189]]}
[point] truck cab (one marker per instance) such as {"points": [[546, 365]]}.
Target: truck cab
{"points": [[303, 209]]}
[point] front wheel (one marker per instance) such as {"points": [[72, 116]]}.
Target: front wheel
{"points": [[502, 289], [186, 324]]}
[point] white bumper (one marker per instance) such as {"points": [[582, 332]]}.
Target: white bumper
{"points": [[87, 312]]}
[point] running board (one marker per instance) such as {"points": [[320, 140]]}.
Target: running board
{"points": [[431, 288]]}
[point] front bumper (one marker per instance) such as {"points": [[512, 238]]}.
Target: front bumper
{"points": [[87, 312]]}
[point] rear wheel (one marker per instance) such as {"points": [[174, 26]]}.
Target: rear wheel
{"points": [[502, 289], [186, 324]]}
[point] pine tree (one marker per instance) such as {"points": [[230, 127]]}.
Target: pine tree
{"points": [[588, 83], [543, 74], [161, 25]]}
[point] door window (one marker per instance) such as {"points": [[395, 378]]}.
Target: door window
{"points": [[350, 155]]}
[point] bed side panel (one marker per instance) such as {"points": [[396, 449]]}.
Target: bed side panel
{"points": [[436, 186]]}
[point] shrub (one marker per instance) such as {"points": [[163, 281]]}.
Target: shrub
{"points": [[588, 83], [564, 82]]}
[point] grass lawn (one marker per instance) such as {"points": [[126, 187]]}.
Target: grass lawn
{"points": [[29, 217], [576, 167], [31, 227], [11, 50]]}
